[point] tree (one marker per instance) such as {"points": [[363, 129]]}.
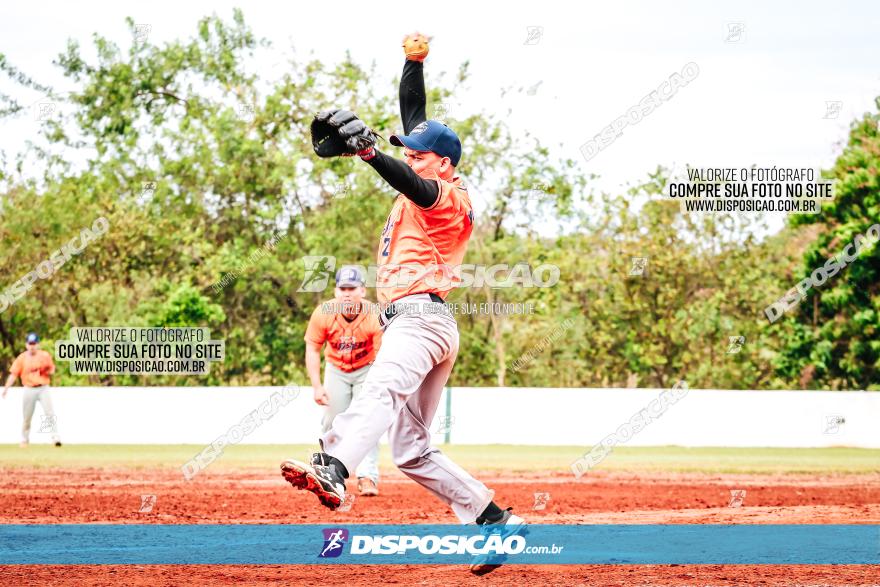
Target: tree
{"points": [[197, 163], [214, 197], [835, 332]]}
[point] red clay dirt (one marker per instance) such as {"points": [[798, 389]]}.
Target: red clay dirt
{"points": [[262, 497]]}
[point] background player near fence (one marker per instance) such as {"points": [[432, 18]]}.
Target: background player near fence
{"points": [[349, 327], [34, 367], [425, 236]]}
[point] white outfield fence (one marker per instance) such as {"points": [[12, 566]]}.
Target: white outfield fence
{"points": [[479, 415]]}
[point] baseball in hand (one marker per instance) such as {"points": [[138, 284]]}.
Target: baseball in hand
{"points": [[415, 46]]}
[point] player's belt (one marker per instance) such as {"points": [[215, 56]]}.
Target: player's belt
{"points": [[406, 304]]}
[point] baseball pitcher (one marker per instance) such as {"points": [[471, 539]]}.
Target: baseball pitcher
{"points": [[349, 326], [424, 238]]}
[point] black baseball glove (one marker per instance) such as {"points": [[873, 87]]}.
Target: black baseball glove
{"points": [[340, 132]]}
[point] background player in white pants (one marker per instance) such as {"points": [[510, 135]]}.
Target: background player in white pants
{"points": [[34, 366], [349, 327], [423, 242]]}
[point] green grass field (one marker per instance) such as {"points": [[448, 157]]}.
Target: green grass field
{"points": [[485, 457]]}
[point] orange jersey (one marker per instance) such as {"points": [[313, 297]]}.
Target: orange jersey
{"points": [[350, 345], [34, 370], [421, 249]]}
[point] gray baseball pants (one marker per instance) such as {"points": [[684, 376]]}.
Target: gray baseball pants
{"points": [[400, 395], [31, 396], [342, 388]]}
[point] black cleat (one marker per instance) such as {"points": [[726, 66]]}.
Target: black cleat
{"points": [[322, 480]]}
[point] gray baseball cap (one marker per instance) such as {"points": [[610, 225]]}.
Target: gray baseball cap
{"points": [[349, 276], [32, 338]]}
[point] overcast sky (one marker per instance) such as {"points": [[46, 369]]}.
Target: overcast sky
{"points": [[766, 69]]}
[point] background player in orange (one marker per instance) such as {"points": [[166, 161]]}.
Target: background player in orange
{"points": [[34, 366], [349, 326], [423, 242]]}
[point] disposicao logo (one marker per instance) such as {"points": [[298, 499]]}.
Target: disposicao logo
{"points": [[334, 542]]}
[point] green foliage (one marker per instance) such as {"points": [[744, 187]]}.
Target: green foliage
{"points": [[198, 164], [183, 306], [834, 340]]}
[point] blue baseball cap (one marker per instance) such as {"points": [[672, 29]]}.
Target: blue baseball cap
{"points": [[349, 276], [32, 338], [431, 136]]}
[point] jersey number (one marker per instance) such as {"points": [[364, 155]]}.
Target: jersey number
{"points": [[387, 241]]}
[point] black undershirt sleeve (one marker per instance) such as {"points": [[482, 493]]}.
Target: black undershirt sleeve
{"points": [[399, 175], [412, 95]]}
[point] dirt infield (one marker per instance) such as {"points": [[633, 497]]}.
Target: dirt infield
{"points": [[260, 497], [351, 575]]}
